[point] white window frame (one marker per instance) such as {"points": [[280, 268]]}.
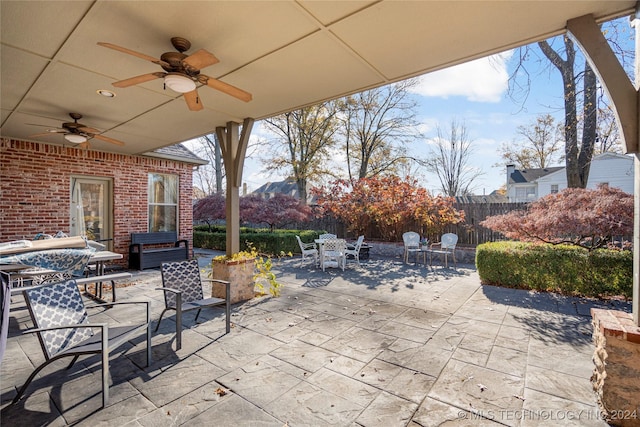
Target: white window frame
{"points": [[163, 197]]}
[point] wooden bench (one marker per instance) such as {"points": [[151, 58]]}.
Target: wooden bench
{"points": [[142, 256]]}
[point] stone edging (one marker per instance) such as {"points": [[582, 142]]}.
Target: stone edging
{"points": [[464, 255]]}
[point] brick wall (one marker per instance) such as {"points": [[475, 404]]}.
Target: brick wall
{"points": [[35, 186], [616, 377]]}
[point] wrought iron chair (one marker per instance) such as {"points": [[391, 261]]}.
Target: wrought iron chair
{"points": [[447, 246], [411, 241], [62, 324], [354, 250], [333, 253], [308, 249], [182, 287]]}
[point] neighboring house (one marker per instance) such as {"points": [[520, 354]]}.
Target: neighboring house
{"points": [[288, 187], [613, 169], [47, 188]]}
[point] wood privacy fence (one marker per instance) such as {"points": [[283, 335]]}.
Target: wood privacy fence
{"points": [[469, 233]]}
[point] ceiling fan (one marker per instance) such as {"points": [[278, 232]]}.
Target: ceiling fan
{"points": [[181, 72], [77, 133]]}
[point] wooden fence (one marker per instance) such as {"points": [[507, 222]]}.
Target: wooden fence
{"points": [[469, 233]]}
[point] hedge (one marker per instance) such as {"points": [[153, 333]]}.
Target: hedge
{"points": [[265, 241], [558, 268]]}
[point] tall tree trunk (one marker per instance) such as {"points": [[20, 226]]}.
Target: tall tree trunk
{"points": [[302, 189], [589, 129], [218, 163], [578, 159]]}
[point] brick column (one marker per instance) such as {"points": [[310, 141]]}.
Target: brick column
{"points": [[616, 377]]}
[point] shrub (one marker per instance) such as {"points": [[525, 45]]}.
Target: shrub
{"points": [[577, 216], [277, 211], [558, 268], [264, 241], [388, 202]]}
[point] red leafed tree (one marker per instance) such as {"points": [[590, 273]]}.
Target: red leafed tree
{"points": [[275, 212], [250, 206], [210, 209], [279, 211], [577, 216], [392, 204]]}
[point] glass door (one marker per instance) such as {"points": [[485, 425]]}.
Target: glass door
{"points": [[91, 209]]}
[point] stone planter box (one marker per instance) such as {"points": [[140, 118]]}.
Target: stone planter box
{"points": [[239, 273]]}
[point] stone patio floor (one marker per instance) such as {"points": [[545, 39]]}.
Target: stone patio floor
{"points": [[381, 344]]}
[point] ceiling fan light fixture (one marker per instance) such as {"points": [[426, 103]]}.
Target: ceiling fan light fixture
{"points": [[106, 93], [179, 83], [75, 138]]}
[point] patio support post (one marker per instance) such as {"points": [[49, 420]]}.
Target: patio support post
{"points": [[636, 242], [626, 105], [636, 217], [234, 148]]}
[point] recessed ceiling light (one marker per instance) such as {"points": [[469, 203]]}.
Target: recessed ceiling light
{"points": [[106, 93]]}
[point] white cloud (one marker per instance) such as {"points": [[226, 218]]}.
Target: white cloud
{"points": [[481, 80]]}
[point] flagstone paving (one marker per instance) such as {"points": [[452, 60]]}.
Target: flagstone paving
{"points": [[381, 344]]}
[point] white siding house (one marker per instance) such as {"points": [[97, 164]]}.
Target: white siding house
{"points": [[522, 184], [613, 169]]}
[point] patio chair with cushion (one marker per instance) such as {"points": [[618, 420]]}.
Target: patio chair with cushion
{"points": [[354, 250], [308, 250], [63, 328], [333, 253], [182, 287], [447, 245], [411, 241]]}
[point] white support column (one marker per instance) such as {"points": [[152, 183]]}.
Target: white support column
{"points": [[636, 218], [234, 148], [636, 245]]}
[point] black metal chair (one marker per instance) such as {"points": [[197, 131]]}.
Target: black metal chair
{"points": [[182, 287], [62, 324]]}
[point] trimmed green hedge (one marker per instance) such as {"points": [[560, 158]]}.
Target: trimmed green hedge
{"points": [[558, 268], [263, 240]]}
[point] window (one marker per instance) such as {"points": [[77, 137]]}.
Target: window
{"points": [[163, 202], [91, 212], [525, 193], [554, 188]]}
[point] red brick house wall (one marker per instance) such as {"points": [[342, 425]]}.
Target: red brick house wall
{"points": [[35, 181]]}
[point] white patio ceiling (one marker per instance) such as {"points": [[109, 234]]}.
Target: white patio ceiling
{"points": [[287, 54]]}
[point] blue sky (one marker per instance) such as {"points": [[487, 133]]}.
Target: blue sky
{"points": [[476, 94]]}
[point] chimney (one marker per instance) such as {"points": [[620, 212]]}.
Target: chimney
{"points": [[510, 169]]}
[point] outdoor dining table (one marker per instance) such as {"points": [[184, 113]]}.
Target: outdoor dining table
{"points": [[17, 273], [42, 260], [424, 250]]}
